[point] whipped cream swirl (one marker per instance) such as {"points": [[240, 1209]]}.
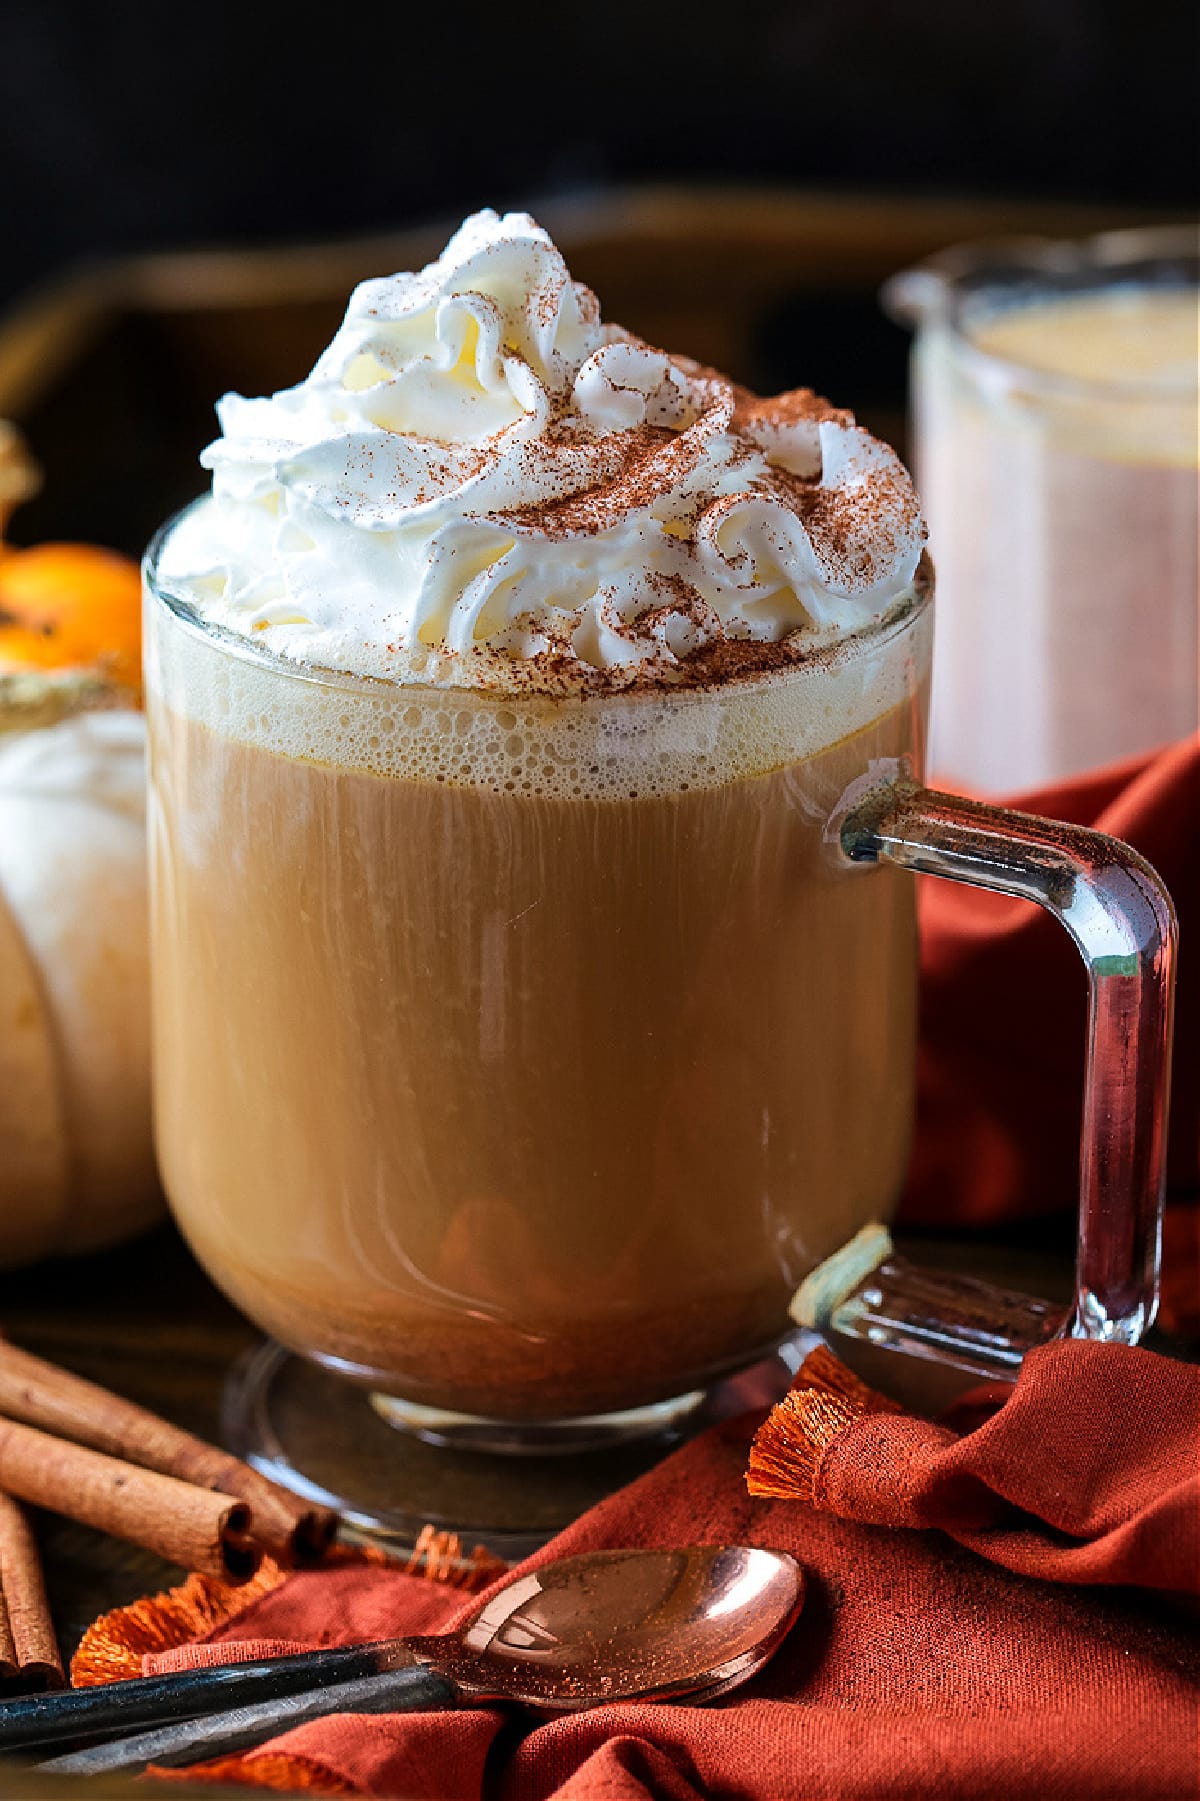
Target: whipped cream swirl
{"points": [[482, 485]]}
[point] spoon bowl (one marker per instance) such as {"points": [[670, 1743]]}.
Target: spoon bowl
{"points": [[623, 1625]]}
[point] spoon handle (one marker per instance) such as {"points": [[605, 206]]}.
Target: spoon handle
{"points": [[76, 1714], [417, 1689]]}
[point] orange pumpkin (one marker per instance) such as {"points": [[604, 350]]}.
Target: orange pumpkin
{"points": [[71, 606], [76, 1164]]}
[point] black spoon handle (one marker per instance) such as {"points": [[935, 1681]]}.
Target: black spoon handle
{"points": [[112, 1707], [417, 1689]]}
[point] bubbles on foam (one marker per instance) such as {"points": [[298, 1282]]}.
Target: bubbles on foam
{"points": [[605, 748]]}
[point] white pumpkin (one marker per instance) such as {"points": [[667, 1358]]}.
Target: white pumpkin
{"points": [[76, 1161]]}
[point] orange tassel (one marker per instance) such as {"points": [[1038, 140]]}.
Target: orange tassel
{"points": [[112, 1648], [826, 1397], [440, 1557], [792, 1440]]}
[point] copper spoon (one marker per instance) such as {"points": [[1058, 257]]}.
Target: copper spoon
{"points": [[579, 1632]]}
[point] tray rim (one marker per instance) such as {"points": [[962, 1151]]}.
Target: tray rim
{"points": [[820, 233]]}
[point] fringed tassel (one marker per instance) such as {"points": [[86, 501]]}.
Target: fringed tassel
{"points": [[440, 1557], [112, 1648], [788, 1448], [790, 1443]]}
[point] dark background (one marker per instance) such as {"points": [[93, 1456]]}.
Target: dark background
{"points": [[131, 124]]}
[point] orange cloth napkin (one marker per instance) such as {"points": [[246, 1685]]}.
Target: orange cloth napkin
{"points": [[918, 1666], [1003, 1006], [1088, 1472]]}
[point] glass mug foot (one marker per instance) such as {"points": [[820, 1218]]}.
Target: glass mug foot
{"points": [[538, 1438], [392, 1468]]}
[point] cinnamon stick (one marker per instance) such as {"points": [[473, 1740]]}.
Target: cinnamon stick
{"points": [[40, 1394], [29, 1651], [183, 1523]]}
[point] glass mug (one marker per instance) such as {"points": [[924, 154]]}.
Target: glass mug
{"points": [[517, 1058], [1062, 498]]}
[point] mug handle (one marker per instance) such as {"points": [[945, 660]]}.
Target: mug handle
{"points": [[1120, 915]]}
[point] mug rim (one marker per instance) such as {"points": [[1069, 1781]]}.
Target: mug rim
{"points": [[937, 293]]}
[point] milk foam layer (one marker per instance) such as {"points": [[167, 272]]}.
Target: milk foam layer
{"points": [[481, 485], [593, 747]]}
